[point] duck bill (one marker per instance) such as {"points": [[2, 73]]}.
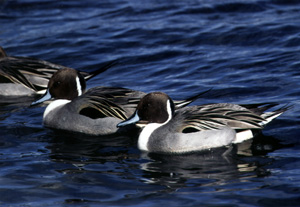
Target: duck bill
{"points": [[45, 97], [131, 120]]}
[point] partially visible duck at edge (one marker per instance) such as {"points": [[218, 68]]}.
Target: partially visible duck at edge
{"points": [[195, 128], [94, 112], [23, 76]]}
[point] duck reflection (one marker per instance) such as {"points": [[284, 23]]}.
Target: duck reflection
{"points": [[170, 170], [118, 156], [211, 167]]}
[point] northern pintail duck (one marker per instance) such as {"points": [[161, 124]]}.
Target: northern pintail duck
{"points": [[195, 128], [20, 76], [94, 112]]}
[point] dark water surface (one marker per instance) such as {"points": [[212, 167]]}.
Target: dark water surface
{"points": [[247, 51]]}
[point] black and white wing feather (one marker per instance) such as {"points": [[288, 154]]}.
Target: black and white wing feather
{"points": [[102, 102], [215, 116], [34, 73]]}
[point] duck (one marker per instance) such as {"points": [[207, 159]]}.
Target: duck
{"points": [[25, 76], [96, 111], [195, 128]]}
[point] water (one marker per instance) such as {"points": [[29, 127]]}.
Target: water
{"points": [[246, 51]]}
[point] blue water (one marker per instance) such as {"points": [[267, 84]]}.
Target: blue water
{"points": [[246, 51]]}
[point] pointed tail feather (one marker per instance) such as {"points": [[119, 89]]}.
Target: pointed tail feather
{"points": [[259, 108], [243, 135], [90, 75], [269, 116], [183, 103]]}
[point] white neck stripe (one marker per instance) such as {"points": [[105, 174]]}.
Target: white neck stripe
{"points": [[78, 86], [169, 110]]}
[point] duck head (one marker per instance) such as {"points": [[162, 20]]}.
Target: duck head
{"points": [[66, 84], [155, 107]]}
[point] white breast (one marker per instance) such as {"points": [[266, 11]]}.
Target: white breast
{"points": [[54, 105], [145, 135]]}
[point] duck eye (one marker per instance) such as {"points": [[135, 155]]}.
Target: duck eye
{"points": [[56, 84], [147, 107]]}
